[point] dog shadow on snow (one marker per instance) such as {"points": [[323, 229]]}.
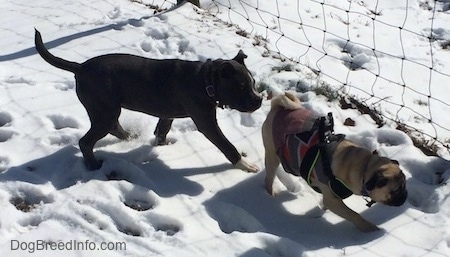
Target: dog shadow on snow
{"points": [[140, 166], [247, 207], [244, 207], [63, 40]]}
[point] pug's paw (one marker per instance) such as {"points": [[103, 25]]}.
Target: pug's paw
{"points": [[366, 226]]}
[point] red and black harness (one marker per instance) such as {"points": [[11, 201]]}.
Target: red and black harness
{"points": [[306, 154]]}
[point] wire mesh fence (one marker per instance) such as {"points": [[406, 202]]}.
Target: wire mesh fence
{"points": [[390, 55]]}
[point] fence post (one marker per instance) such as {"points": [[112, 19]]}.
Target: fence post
{"points": [[194, 2]]}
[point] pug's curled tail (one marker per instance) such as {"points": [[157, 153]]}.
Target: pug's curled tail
{"points": [[286, 100], [53, 60]]}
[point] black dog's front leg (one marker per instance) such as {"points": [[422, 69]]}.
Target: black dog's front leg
{"points": [[212, 131], [209, 127], [207, 124], [162, 128]]}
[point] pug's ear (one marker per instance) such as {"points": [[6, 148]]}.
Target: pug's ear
{"points": [[376, 181], [371, 183], [382, 182], [395, 162]]}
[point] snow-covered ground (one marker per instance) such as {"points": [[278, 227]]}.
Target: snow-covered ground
{"points": [[185, 199]]}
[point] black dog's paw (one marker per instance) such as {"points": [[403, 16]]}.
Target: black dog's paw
{"points": [[93, 165], [133, 136], [160, 141], [166, 141]]}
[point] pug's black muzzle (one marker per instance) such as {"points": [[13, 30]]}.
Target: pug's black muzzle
{"points": [[398, 197]]}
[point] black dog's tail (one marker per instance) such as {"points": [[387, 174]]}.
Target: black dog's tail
{"points": [[53, 60]]}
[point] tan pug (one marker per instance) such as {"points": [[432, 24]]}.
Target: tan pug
{"points": [[355, 170]]}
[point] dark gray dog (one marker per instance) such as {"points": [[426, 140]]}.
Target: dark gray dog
{"points": [[167, 89]]}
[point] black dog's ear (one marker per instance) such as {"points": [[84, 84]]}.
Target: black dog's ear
{"points": [[395, 162], [227, 70], [240, 57]]}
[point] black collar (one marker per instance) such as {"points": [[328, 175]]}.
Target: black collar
{"points": [[210, 87], [364, 191]]}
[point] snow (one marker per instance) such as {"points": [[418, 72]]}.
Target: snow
{"points": [[185, 199]]}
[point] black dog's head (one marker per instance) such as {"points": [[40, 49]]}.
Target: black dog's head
{"points": [[235, 85], [388, 185]]}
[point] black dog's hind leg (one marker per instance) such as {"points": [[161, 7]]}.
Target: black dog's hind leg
{"points": [[119, 132], [104, 120], [87, 143], [162, 128]]}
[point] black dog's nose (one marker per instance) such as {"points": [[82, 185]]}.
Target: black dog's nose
{"points": [[255, 103]]}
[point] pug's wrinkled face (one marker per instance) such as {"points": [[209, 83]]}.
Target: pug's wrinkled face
{"points": [[388, 185]]}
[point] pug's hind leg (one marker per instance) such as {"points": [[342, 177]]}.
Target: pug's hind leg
{"points": [[271, 162], [293, 185]]}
